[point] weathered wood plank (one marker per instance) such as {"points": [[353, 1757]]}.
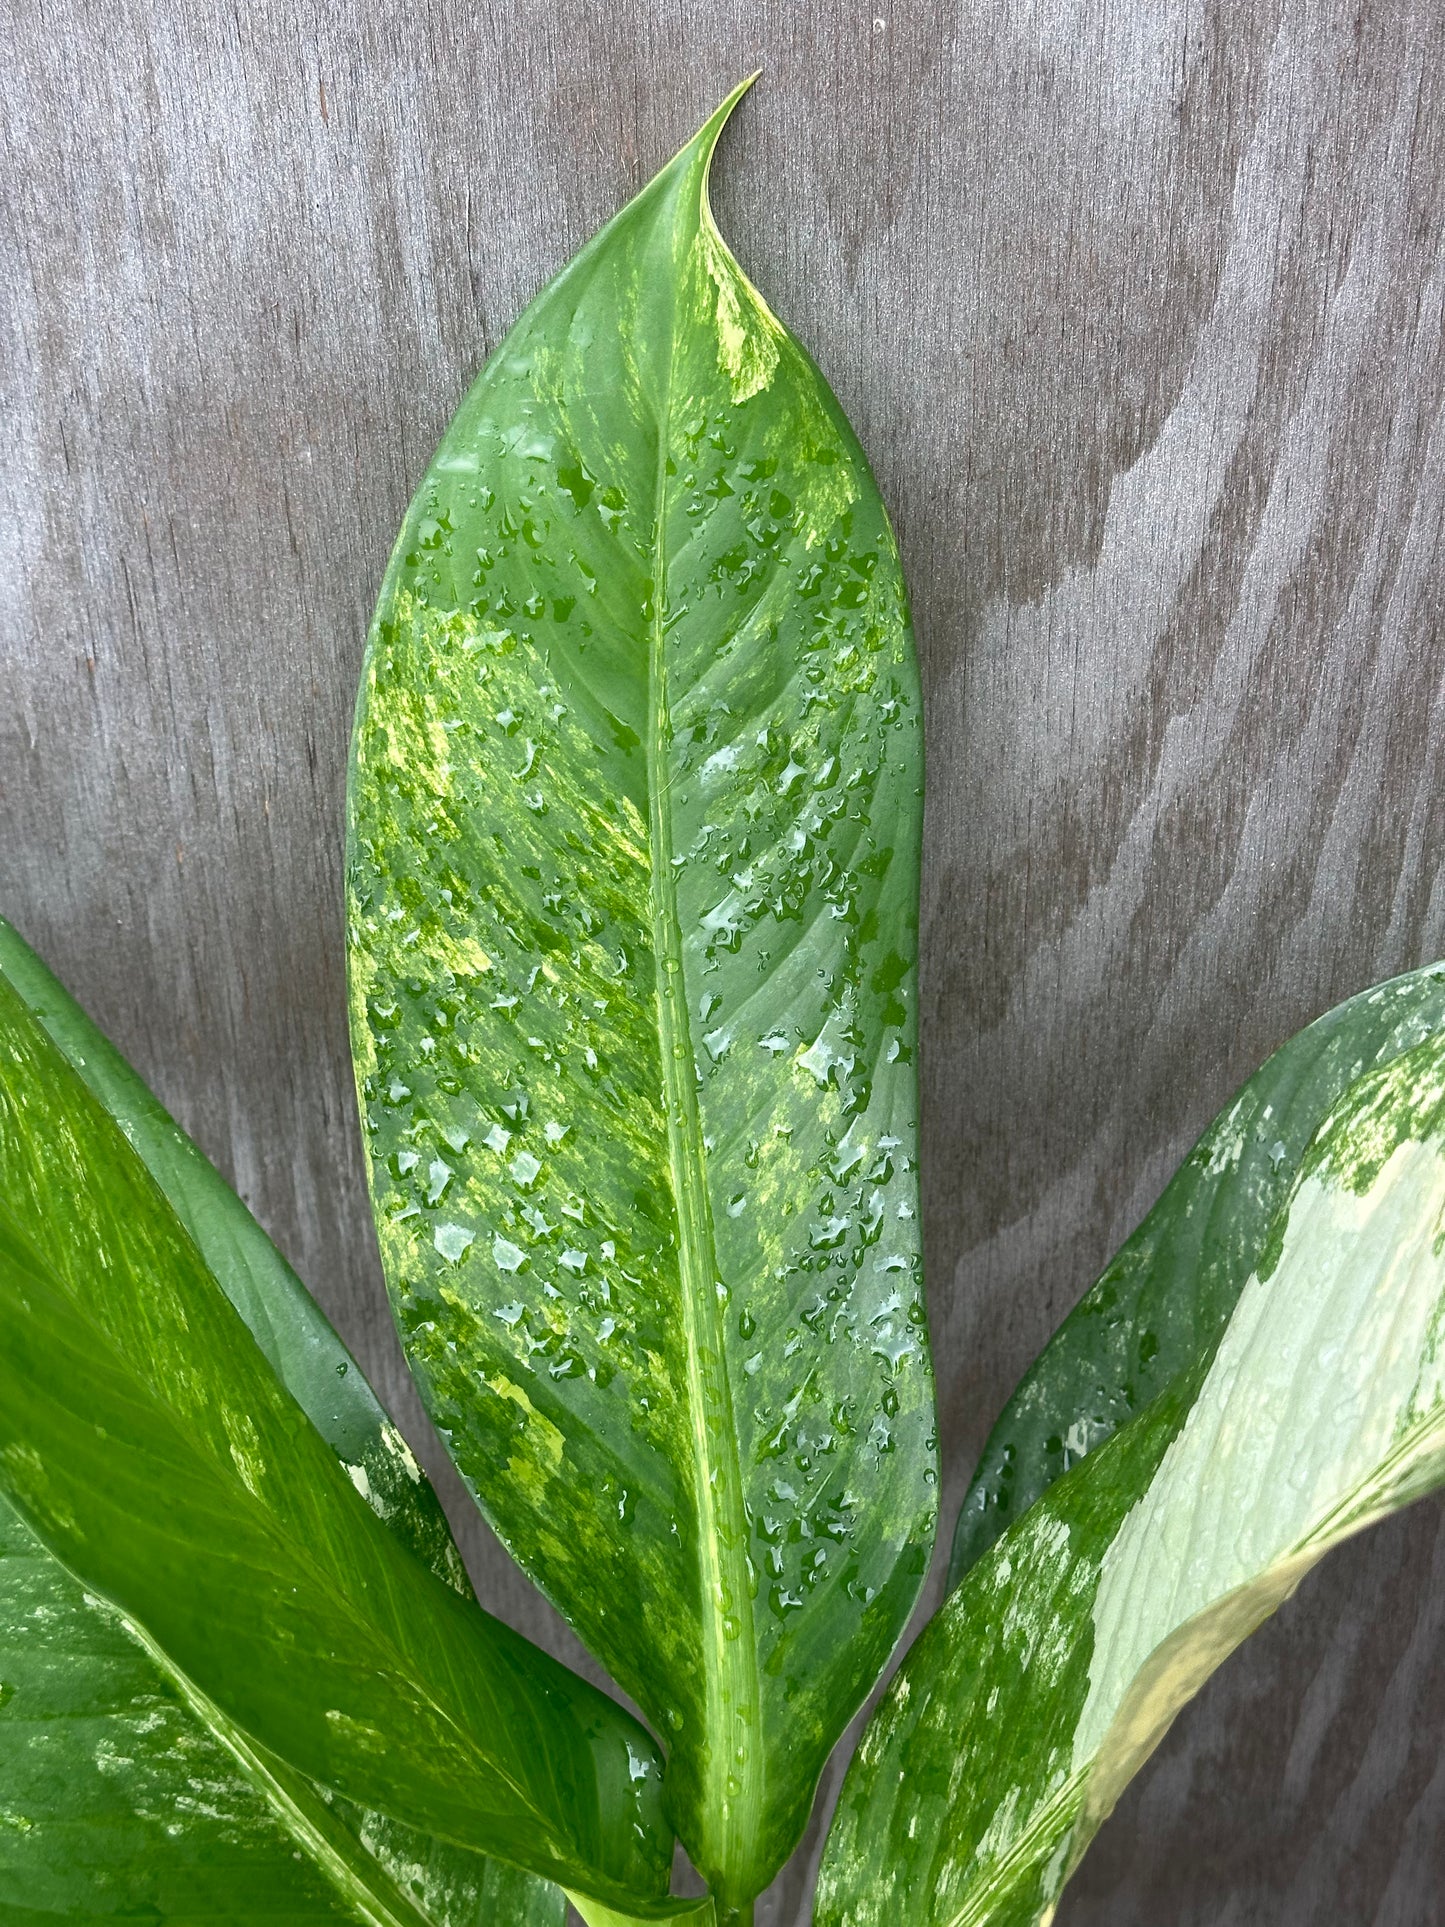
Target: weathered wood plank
{"points": [[1137, 307]]}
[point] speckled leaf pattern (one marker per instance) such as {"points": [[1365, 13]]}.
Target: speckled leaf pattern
{"points": [[281, 1315], [115, 1796], [119, 1801], [1168, 1293], [1058, 1664], [634, 818], [146, 1440], [114, 1799]]}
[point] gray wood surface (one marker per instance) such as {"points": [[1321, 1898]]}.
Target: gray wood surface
{"points": [[1137, 306]]}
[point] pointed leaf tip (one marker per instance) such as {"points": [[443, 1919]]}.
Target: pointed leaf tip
{"points": [[634, 828]]}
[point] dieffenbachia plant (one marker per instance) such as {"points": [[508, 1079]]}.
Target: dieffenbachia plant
{"points": [[1259, 1374], [633, 885], [633, 889]]}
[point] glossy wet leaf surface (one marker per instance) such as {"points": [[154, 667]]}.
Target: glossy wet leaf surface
{"points": [[634, 819], [146, 1440], [1057, 1665], [116, 1795], [1168, 1293]]}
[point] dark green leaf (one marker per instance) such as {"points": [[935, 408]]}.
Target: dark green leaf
{"points": [[1168, 1294], [118, 1800], [146, 1440], [1057, 1665], [634, 816], [113, 1798], [123, 1823]]}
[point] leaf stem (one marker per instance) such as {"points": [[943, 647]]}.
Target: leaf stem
{"points": [[739, 1916]]}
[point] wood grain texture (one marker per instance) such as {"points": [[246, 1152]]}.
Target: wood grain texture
{"points": [[1137, 308]]}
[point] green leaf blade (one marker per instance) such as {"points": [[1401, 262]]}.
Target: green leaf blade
{"points": [[284, 1319], [1057, 1665], [634, 817], [90, 1741], [1165, 1297], [146, 1440], [128, 1863], [118, 1800]]}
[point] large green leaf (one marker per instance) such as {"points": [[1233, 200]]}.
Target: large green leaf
{"points": [[147, 1442], [1057, 1665], [281, 1315], [117, 1797], [634, 819], [1168, 1293], [120, 1799]]}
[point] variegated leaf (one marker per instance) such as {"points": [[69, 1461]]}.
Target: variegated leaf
{"points": [[634, 816], [148, 1443], [116, 1795], [1057, 1665], [1168, 1293]]}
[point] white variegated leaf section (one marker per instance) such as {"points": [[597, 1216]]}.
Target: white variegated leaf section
{"points": [[1058, 1664]]}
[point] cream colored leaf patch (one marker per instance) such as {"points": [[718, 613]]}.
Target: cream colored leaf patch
{"points": [[1058, 1664]]}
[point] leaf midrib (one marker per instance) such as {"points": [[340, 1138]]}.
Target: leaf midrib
{"points": [[731, 1767]]}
